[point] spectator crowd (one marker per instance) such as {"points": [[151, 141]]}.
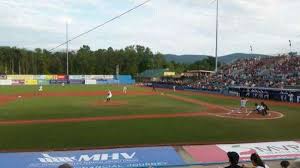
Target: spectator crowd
{"points": [[269, 72]]}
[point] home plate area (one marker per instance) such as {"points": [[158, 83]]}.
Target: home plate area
{"points": [[250, 115]]}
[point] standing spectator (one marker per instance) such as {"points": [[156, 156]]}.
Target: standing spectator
{"points": [[233, 160]]}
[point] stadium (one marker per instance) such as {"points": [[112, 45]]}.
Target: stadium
{"points": [[136, 108]]}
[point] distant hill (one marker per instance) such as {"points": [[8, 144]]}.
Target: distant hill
{"points": [[187, 59], [227, 59]]}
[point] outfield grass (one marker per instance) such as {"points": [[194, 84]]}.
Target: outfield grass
{"points": [[203, 129], [86, 106]]}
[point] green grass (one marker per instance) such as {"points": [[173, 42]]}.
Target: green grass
{"points": [[9, 90], [76, 107], [131, 132]]}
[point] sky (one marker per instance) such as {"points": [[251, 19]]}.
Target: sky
{"points": [[166, 26]]}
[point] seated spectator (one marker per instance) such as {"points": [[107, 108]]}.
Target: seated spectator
{"points": [[257, 162], [66, 165], [285, 164], [233, 159]]}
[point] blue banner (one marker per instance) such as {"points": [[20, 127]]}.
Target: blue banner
{"points": [[113, 158]]}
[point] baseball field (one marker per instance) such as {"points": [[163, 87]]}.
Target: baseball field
{"points": [[77, 117]]}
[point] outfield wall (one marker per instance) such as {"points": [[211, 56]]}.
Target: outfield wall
{"points": [[265, 93], [17, 80]]}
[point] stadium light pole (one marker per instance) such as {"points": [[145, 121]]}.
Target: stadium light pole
{"points": [[251, 49], [67, 43], [217, 34], [290, 43]]}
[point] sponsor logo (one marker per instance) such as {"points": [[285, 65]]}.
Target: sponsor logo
{"points": [[87, 158], [245, 150]]}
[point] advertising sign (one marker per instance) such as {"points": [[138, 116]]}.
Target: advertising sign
{"points": [[267, 151], [76, 77], [5, 82], [76, 81], [31, 82], [114, 158], [61, 77], [18, 82], [90, 82]]}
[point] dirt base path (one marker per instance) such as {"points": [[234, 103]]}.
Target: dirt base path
{"points": [[232, 113]]}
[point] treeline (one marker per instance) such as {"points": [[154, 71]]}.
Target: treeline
{"points": [[131, 60]]}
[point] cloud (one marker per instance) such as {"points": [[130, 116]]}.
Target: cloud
{"points": [[168, 26]]}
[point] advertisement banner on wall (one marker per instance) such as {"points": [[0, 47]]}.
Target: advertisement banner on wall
{"points": [[76, 81], [50, 77], [18, 82], [5, 82], [61, 77], [31, 82], [43, 82], [40, 77], [267, 151], [90, 82], [76, 77], [20, 77], [98, 77], [58, 81], [114, 158]]}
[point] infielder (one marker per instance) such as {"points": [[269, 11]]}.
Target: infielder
{"points": [[125, 90], [40, 88], [109, 96]]}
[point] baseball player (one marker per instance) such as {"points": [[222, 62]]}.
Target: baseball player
{"points": [[174, 88], [153, 87], [125, 90], [109, 96], [243, 105], [40, 88], [291, 97]]}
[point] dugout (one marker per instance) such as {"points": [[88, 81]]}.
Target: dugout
{"points": [[266, 93]]}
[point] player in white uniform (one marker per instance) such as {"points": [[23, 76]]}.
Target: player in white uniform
{"points": [[109, 96], [40, 88], [174, 88], [125, 90], [243, 105]]}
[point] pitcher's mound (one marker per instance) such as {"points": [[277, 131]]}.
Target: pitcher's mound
{"points": [[111, 103]]}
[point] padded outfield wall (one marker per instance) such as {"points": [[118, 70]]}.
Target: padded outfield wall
{"points": [[8, 80]]}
